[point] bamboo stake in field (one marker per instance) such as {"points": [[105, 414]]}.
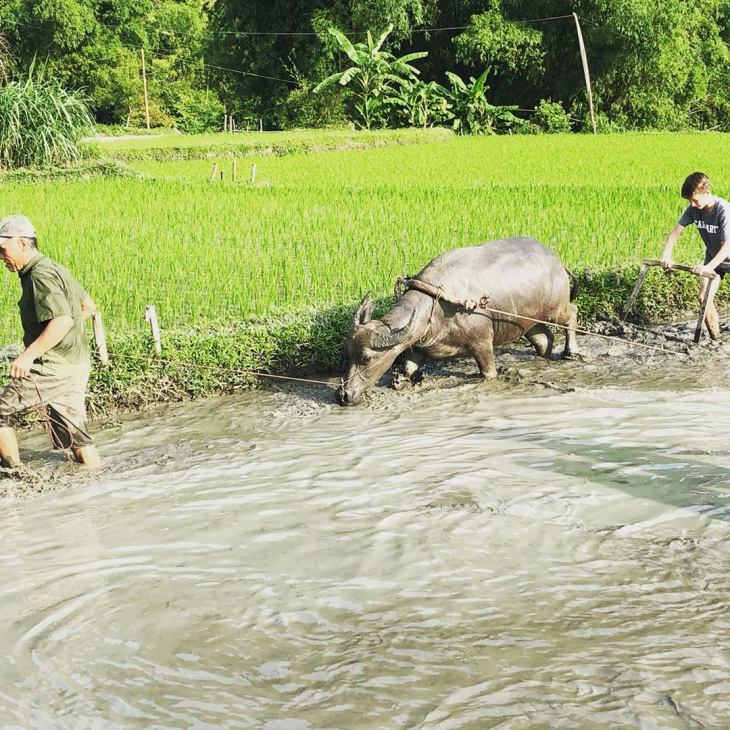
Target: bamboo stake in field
{"points": [[150, 315], [100, 337], [215, 169], [225, 122], [144, 86], [253, 173], [233, 170], [586, 74]]}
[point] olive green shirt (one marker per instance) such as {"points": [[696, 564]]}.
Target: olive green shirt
{"points": [[49, 291]]}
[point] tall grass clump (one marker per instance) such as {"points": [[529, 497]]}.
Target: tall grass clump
{"points": [[41, 123]]}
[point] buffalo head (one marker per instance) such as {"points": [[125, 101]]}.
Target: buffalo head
{"points": [[371, 348]]}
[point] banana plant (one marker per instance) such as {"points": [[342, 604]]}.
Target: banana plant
{"points": [[374, 72], [472, 113], [422, 105]]}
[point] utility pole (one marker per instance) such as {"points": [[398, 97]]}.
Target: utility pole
{"points": [[144, 85], [587, 75]]}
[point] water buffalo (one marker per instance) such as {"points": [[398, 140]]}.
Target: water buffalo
{"points": [[447, 310]]}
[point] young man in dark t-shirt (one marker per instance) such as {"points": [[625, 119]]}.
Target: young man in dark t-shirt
{"points": [[53, 369], [711, 215]]}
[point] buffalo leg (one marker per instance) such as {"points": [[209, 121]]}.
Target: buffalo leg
{"points": [[484, 355], [412, 365], [541, 338], [571, 346], [409, 371]]}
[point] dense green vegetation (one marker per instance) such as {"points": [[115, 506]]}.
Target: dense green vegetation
{"points": [[317, 230], [264, 275], [655, 64], [41, 123]]}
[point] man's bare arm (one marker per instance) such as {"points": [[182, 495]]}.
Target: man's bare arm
{"points": [[55, 330]]}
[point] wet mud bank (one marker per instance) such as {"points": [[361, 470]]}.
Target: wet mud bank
{"points": [[613, 355]]}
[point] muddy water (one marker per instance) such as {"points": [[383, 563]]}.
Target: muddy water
{"points": [[548, 551]]}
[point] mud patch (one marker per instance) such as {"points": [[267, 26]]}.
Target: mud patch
{"points": [[614, 354], [35, 480]]}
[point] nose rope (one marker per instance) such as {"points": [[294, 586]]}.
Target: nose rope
{"points": [[218, 368]]}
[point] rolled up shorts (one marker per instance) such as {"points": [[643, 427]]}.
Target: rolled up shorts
{"points": [[61, 397]]}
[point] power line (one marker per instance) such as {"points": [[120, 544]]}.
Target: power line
{"points": [[160, 54], [301, 33]]}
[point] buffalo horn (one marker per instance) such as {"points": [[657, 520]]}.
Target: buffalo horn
{"points": [[395, 337]]}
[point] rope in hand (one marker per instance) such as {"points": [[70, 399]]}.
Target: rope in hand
{"points": [[42, 410]]}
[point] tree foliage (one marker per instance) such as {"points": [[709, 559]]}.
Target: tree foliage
{"points": [[654, 63], [4, 59], [471, 112], [96, 46]]}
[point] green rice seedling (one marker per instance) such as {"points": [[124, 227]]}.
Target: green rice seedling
{"points": [[317, 231]]}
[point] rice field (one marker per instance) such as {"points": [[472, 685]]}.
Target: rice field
{"points": [[316, 230]]}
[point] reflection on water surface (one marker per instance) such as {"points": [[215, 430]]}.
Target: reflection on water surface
{"points": [[457, 558]]}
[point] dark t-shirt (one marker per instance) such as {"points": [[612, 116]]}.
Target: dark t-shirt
{"points": [[49, 291], [713, 226]]}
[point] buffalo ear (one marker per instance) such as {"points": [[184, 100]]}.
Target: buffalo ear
{"points": [[364, 311]]}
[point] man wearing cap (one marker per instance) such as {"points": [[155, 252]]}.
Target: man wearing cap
{"points": [[52, 371]]}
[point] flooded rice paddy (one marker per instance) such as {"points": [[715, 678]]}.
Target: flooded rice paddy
{"points": [[551, 550]]}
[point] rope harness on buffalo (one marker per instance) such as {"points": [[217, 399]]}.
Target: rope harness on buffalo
{"points": [[471, 306]]}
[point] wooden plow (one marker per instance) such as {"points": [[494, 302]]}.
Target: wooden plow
{"points": [[646, 263]]}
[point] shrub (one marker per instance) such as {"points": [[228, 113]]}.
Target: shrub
{"points": [[550, 117], [41, 123], [159, 117]]}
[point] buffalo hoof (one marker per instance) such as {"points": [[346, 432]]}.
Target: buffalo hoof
{"points": [[489, 375], [417, 377], [573, 355], [400, 380], [343, 398]]}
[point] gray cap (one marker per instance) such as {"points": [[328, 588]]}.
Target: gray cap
{"points": [[16, 226]]}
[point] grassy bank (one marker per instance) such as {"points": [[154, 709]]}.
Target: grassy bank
{"points": [[247, 144], [264, 276], [225, 359], [90, 169]]}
